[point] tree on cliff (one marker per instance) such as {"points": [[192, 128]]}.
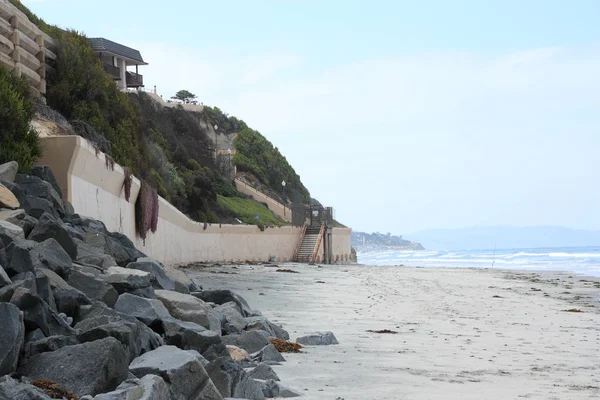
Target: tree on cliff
{"points": [[184, 95]]}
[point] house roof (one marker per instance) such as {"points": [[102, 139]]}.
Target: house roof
{"points": [[108, 46]]}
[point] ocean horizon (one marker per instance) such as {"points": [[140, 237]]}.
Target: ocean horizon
{"points": [[579, 260]]}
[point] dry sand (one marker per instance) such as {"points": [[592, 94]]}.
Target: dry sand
{"points": [[462, 333]]}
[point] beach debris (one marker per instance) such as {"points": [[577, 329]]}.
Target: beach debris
{"points": [[535, 289], [382, 331], [284, 346], [291, 271], [573, 310], [318, 339], [261, 294], [53, 390], [319, 282], [497, 297]]}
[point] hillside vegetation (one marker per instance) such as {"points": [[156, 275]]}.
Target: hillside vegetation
{"points": [[168, 148]]}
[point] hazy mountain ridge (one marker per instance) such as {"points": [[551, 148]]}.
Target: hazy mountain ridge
{"points": [[505, 237], [364, 242]]}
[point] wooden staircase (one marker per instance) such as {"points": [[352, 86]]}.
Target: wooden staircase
{"points": [[312, 237]]}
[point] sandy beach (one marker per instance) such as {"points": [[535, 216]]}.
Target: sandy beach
{"points": [[462, 333]]}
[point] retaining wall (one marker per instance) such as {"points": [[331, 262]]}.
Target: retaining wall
{"points": [[96, 191]]}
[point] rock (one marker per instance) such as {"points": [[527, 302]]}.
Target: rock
{"points": [[34, 186], [50, 254], [45, 173], [183, 284], [8, 171], [318, 339], [20, 259], [44, 290], [150, 387], [237, 354], [11, 215], [232, 381], [269, 387], [263, 324], [189, 335], [11, 389], [20, 219], [268, 354], [252, 341], [199, 357], [230, 339], [124, 279], [188, 379], [185, 307], [12, 337], [90, 255], [232, 320], [215, 351], [34, 206], [38, 314], [4, 279], [47, 344], [224, 296], [286, 392], [10, 232], [69, 210], [154, 269], [263, 371], [8, 199], [116, 245], [49, 227], [95, 289], [67, 298], [151, 312], [88, 368]]}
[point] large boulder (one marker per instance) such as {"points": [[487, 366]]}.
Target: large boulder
{"points": [[33, 205], [150, 387], [263, 324], [151, 312], [51, 255], [318, 339], [263, 371], [268, 354], [91, 255], [10, 232], [225, 296], [19, 257], [44, 289], [183, 284], [46, 344], [19, 218], [38, 314], [231, 319], [187, 378], [67, 298], [36, 187], [186, 307], [50, 227], [8, 171], [232, 381], [114, 244], [83, 369], [92, 287], [4, 279], [12, 337], [11, 389], [126, 280], [189, 335], [45, 173], [8, 199], [155, 269], [252, 341]]}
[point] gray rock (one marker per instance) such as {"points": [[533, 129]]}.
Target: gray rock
{"points": [[82, 369], [230, 339], [149, 311], [12, 336], [87, 254], [269, 387], [49, 227], [45, 173], [34, 186], [224, 296], [10, 232], [33, 205], [117, 245], [11, 389], [263, 324], [215, 351], [24, 221], [286, 392], [125, 280], [318, 339], [185, 307], [199, 357], [95, 289], [187, 378], [8, 171], [268, 354], [189, 335], [183, 284], [34, 335], [232, 381], [44, 290], [68, 301], [252, 341], [20, 259], [4, 279], [150, 387], [51, 255], [37, 314], [49, 344], [69, 210], [232, 320], [265, 372], [162, 281]]}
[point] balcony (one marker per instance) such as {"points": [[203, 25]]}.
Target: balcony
{"points": [[114, 72], [134, 80]]}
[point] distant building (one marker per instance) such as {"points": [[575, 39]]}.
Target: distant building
{"points": [[116, 58]]}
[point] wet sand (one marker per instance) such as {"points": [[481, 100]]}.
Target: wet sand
{"points": [[462, 333]]}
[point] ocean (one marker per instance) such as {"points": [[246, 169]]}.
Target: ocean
{"points": [[579, 260]]}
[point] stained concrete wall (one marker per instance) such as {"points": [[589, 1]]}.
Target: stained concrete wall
{"points": [[281, 210], [96, 191]]}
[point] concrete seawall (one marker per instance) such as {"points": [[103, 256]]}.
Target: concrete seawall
{"points": [[96, 191]]}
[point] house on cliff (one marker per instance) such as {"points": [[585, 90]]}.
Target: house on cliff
{"points": [[116, 58]]}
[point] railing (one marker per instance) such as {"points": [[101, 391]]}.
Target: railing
{"points": [[114, 72], [24, 48], [285, 212], [134, 80]]}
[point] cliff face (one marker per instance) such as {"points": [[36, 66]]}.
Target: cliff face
{"points": [[364, 242]]}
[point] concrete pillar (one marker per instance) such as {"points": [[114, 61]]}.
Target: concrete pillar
{"points": [[123, 82]]}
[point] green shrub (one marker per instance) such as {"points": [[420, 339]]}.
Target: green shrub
{"points": [[19, 142]]}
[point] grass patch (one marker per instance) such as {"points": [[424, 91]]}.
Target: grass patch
{"points": [[247, 210]]}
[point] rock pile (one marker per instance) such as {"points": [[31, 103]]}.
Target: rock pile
{"points": [[83, 308]]}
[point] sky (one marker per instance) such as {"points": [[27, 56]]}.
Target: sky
{"points": [[401, 115]]}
